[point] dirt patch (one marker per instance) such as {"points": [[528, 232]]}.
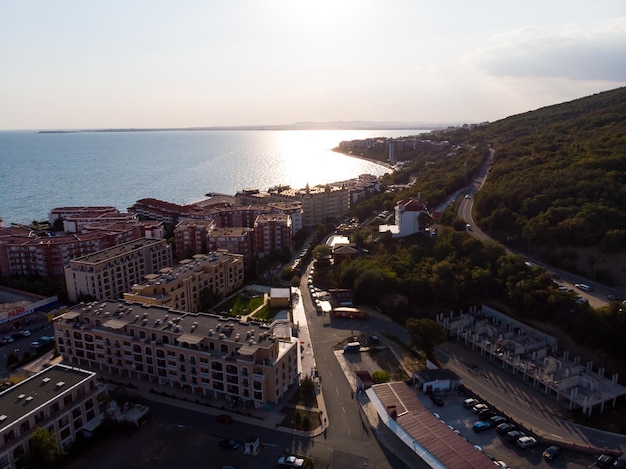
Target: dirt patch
{"points": [[301, 419], [388, 362]]}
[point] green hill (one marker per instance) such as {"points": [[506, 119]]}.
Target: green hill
{"points": [[558, 182]]}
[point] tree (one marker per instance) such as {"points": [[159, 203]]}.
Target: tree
{"points": [[43, 448], [425, 334]]}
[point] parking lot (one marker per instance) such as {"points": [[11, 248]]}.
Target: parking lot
{"points": [[462, 419]]}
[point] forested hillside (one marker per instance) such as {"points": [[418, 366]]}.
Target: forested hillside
{"points": [[558, 182]]}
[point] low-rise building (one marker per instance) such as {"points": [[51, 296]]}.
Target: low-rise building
{"points": [[60, 398], [207, 355]]}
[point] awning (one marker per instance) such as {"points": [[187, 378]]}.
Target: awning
{"points": [[189, 339], [115, 324]]}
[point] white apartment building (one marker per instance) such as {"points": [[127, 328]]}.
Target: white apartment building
{"points": [[207, 355], [59, 398], [181, 287], [111, 272]]}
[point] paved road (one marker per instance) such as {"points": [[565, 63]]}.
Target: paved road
{"points": [[349, 431], [526, 405]]}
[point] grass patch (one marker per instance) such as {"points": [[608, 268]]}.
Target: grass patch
{"points": [[241, 305]]}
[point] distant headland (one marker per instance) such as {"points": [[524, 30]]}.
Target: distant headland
{"points": [[336, 125]]}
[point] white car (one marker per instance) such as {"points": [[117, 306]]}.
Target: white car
{"points": [[526, 441], [471, 402], [290, 461], [478, 407]]}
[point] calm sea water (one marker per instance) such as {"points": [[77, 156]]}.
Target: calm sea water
{"points": [[43, 171]]}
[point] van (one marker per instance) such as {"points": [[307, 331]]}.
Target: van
{"points": [[352, 347]]}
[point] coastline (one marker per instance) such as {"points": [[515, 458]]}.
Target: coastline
{"points": [[370, 160]]}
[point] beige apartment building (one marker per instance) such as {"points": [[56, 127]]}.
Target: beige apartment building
{"points": [[181, 287], [60, 398], [111, 272], [208, 355]]}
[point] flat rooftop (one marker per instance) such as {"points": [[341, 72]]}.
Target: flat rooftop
{"points": [[34, 392], [116, 251], [190, 328]]}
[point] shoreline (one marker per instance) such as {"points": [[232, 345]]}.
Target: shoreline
{"points": [[364, 158]]}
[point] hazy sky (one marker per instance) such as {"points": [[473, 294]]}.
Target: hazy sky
{"points": [[151, 63]]}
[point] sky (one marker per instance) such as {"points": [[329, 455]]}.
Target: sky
{"points": [[153, 64]]}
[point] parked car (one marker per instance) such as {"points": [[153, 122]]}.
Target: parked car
{"points": [[513, 435], [7, 340], [501, 464], [223, 418], [620, 463], [497, 420], [551, 452], [526, 441], [290, 461], [481, 426], [437, 399], [583, 286], [228, 443], [478, 407], [36, 345], [24, 333], [605, 460], [486, 414], [505, 428], [471, 402]]}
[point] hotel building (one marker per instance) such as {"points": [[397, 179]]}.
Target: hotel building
{"points": [[59, 398], [181, 287], [207, 355], [111, 272]]}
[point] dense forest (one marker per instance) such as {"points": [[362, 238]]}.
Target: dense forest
{"points": [[557, 183], [556, 186]]}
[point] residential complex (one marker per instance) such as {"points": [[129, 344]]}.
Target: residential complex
{"points": [[182, 287], [60, 398], [208, 355], [272, 233], [111, 272], [534, 356]]}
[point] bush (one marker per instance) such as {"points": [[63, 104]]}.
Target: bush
{"points": [[380, 376]]}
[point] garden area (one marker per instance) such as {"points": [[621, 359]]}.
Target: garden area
{"points": [[246, 302]]}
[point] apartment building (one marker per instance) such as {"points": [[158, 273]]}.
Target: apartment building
{"points": [[60, 398], [293, 209], [25, 252], [154, 209], [111, 272], [181, 287], [322, 202], [272, 232], [205, 354], [190, 237], [61, 213], [236, 240]]}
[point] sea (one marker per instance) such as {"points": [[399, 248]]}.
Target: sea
{"points": [[42, 171]]}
